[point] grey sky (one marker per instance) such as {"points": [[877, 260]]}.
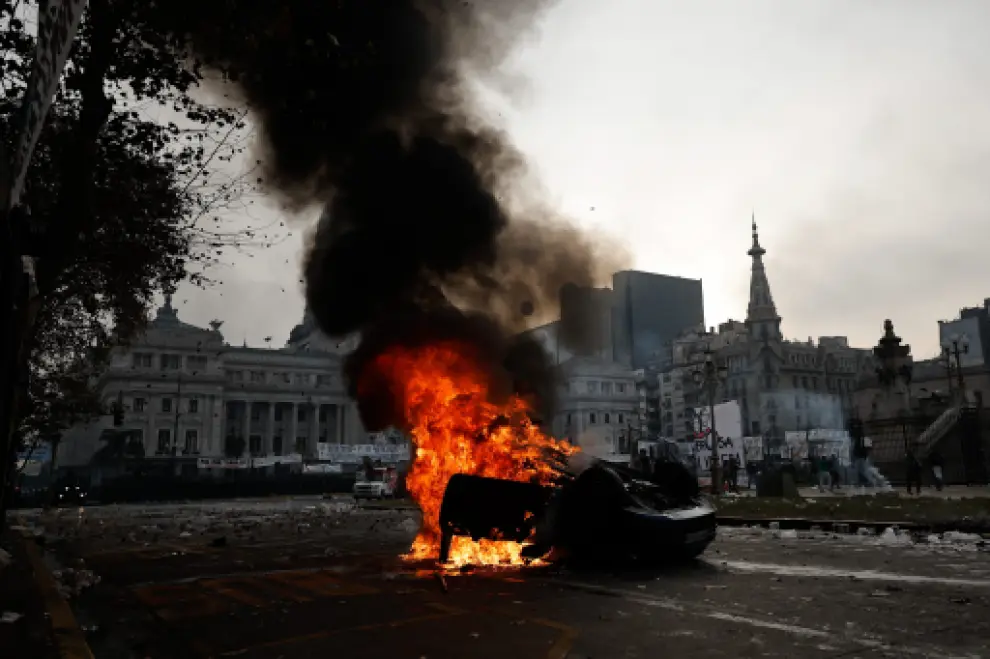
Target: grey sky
{"points": [[856, 129]]}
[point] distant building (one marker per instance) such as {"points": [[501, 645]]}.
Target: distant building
{"points": [[780, 384], [586, 319], [973, 324], [188, 395], [598, 405], [650, 310], [937, 379], [631, 323]]}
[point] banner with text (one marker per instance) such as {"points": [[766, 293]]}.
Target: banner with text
{"points": [[355, 453], [728, 430]]}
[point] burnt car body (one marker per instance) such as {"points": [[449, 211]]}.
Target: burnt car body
{"points": [[606, 511]]}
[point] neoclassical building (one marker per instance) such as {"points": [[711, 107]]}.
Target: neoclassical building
{"points": [[188, 395]]}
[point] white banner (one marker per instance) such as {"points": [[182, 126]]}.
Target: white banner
{"points": [[323, 469], [223, 463], [272, 460], [728, 420], [727, 448], [820, 441], [728, 430], [753, 448], [354, 453]]}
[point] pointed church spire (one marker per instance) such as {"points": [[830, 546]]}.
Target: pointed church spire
{"points": [[756, 250], [761, 314]]}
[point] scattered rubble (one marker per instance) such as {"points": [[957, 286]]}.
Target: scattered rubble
{"points": [[71, 582], [894, 536], [214, 524]]}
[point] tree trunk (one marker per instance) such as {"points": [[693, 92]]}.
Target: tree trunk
{"points": [[73, 205]]}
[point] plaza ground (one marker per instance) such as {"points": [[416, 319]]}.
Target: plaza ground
{"points": [[307, 578]]}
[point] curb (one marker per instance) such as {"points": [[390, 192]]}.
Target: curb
{"points": [[69, 638], [852, 525]]}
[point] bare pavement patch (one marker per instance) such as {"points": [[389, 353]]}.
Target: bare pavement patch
{"points": [[970, 514]]}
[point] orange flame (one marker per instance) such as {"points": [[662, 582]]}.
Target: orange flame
{"points": [[444, 397]]}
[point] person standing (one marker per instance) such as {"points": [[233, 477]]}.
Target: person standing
{"points": [[936, 461], [734, 473], [833, 471], [821, 467], [645, 465], [751, 473], [913, 471]]}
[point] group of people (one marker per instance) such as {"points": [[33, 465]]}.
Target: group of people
{"points": [[826, 467]]}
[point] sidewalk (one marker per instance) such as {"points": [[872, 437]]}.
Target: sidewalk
{"points": [[24, 629], [35, 621]]}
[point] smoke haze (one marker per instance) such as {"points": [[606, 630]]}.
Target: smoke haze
{"points": [[365, 110]]}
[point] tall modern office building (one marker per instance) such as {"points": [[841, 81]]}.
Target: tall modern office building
{"points": [[586, 321], [649, 311]]}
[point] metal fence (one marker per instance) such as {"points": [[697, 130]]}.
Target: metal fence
{"points": [[964, 449]]}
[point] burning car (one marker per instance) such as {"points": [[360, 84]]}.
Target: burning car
{"points": [[605, 511]]}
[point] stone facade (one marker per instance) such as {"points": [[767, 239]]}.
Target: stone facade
{"points": [[780, 384], [188, 394], [598, 405]]}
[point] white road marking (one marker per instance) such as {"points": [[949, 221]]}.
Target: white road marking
{"points": [[669, 604], [835, 573]]}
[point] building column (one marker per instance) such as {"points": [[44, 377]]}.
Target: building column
{"points": [[270, 430], [338, 411], [294, 426], [151, 435], [312, 447], [247, 426], [218, 422]]}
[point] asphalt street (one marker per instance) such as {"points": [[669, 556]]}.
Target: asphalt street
{"points": [[306, 578]]}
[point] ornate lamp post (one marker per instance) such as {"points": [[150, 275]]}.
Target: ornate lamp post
{"points": [[953, 349], [709, 377], [894, 363]]}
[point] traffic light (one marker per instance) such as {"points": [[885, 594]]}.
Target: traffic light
{"points": [[118, 415]]}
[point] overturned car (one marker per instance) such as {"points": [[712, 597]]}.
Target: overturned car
{"points": [[597, 511]]}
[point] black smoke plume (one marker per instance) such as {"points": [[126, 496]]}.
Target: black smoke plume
{"points": [[431, 225]]}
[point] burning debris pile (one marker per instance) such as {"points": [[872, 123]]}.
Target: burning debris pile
{"points": [[434, 244]]}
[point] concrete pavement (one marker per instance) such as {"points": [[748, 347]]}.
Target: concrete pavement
{"points": [[305, 581]]}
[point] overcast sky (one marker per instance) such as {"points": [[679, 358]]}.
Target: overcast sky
{"points": [[857, 130]]}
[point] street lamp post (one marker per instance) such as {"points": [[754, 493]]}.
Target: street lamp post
{"points": [[953, 349], [709, 377]]}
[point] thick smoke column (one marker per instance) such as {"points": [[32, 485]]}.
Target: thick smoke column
{"points": [[365, 108]]}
